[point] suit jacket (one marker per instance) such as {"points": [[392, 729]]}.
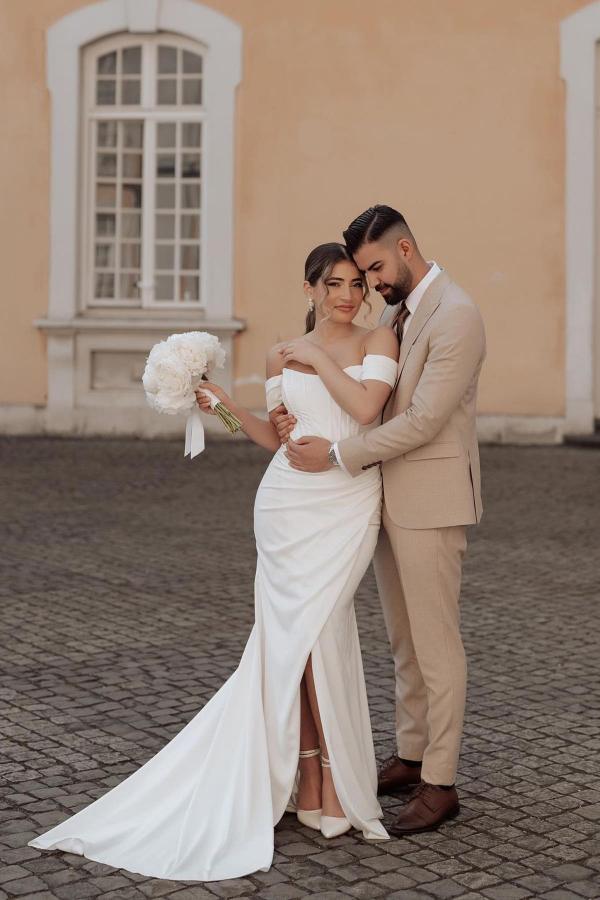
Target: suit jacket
{"points": [[427, 443]]}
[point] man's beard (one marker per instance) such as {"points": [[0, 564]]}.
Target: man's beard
{"points": [[396, 295], [399, 290]]}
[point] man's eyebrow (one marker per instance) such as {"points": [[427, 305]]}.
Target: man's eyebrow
{"points": [[373, 264]]}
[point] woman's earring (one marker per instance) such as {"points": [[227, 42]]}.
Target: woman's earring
{"points": [[311, 304]]}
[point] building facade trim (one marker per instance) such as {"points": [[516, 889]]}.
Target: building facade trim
{"points": [[579, 34]]}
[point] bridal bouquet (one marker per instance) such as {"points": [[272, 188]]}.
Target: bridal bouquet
{"points": [[174, 371]]}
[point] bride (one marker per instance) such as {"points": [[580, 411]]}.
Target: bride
{"points": [[290, 729]]}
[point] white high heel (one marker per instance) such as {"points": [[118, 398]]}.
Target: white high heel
{"points": [[309, 817], [333, 826]]}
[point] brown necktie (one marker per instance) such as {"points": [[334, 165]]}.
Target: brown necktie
{"points": [[400, 318]]}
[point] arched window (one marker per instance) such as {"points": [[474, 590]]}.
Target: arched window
{"points": [[144, 169]]}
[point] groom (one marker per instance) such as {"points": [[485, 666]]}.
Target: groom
{"points": [[427, 446]]}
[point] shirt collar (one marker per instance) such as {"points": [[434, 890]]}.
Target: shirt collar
{"points": [[414, 298]]}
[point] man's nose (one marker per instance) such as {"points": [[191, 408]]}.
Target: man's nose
{"points": [[373, 280]]}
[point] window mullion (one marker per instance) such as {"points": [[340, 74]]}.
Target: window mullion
{"points": [[178, 190], [148, 198]]}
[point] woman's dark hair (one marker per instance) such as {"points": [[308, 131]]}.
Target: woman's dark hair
{"points": [[319, 265], [371, 225]]}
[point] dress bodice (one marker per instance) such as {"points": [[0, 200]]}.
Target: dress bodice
{"points": [[305, 396]]}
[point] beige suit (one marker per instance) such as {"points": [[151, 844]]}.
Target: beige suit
{"points": [[427, 445]]}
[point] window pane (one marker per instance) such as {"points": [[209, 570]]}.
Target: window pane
{"points": [[107, 134], [105, 285], [192, 92], [105, 256], [132, 60], [105, 93], [189, 257], [166, 134], [191, 134], [107, 64], [165, 196], [167, 60], [192, 62], [105, 224], [165, 226], [128, 284], [190, 166], [189, 287], [131, 195], [132, 165], [131, 225], [132, 134], [190, 196], [190, 226], [106, 195], [106, 164], [163, 287], [130, 92], [165, 165], [130, 256], [164, 256], [167, 92]]}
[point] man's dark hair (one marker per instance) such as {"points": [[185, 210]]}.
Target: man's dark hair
{"points": [[370, 226]]}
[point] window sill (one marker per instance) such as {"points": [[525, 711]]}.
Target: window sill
{"points": [[126, 322]]}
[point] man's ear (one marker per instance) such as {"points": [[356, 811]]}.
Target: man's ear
{"points": [[405, 248]]}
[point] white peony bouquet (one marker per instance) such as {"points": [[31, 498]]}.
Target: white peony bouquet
{"points": [[174, 371]]}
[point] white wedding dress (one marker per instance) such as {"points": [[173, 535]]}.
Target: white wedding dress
{"points": [[204, 807]]}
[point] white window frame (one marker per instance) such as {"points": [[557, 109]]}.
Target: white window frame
{"points": [[221, 38], [149, 113]]}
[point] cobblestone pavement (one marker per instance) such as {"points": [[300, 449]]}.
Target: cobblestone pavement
{"points": [[126, 590]]}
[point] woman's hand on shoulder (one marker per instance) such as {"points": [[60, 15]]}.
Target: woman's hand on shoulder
{"points": [[383, 340], [302, 351]]}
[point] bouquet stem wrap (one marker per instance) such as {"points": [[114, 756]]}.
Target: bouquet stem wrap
{"points": [[194, 428]]}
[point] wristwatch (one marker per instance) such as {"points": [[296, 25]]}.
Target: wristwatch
{"points": [[331, 456]]}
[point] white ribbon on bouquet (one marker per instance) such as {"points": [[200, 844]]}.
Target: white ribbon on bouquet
{"points": [[194, 427]]}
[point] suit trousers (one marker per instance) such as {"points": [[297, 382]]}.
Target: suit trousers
{"points": [[418, 574]]}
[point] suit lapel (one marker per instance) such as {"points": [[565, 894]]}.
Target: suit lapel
{"points": [[387, 315], [426, 308]]}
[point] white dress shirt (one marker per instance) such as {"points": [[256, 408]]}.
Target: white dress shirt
{"points": [[412, 301]]}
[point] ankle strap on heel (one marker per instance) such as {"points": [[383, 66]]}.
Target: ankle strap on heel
{"points": [[307, 754]]}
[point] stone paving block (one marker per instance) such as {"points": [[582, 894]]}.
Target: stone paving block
{"points": [[570, 872], [233, 887], [506, 892], [195, 893], [364, 890], [23, 886], [394, 881], [78, 890], [586, 888], [476, 880], [444, 888], [11, 873], [560, 894], [275, 892]]}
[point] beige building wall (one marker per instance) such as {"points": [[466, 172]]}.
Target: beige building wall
{"points": [[451, 111]]}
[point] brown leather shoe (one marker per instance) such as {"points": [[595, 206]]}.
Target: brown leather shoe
{"points": [[426, 809], [395, 777]]}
